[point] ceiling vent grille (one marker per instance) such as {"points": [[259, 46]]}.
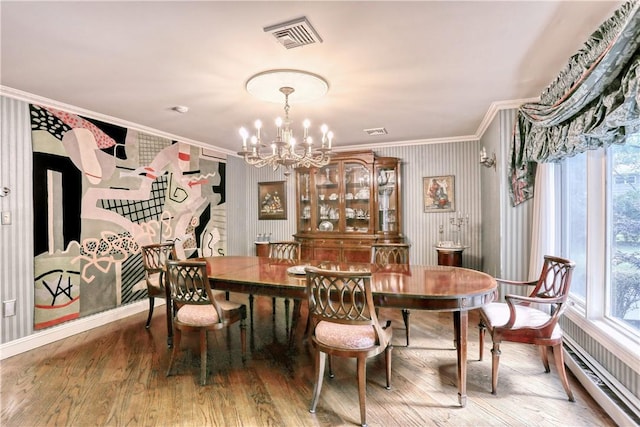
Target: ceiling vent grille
{"points": [[294, 33], [376, 131]]}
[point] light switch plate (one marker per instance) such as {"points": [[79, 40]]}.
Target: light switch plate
{"points": [[9, 308], [6, 218]]}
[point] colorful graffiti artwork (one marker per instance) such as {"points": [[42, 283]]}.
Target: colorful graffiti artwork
{"points": [[100, 193]]}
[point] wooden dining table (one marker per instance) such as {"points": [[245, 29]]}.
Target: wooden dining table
{"points": [[415, 287]]}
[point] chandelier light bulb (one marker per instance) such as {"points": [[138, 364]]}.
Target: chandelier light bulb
{"points": [[244, 134]]}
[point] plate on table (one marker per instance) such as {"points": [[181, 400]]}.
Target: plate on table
{"points": [[297, 269]]}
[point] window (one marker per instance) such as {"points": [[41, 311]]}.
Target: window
{"points": [[601, 232], [623, 234], [574, 240]]}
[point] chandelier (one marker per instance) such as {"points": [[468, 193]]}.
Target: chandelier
{"points": [[285, 150]]}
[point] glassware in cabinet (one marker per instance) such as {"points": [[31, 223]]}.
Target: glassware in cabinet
{"points": [[327, 190], [387, 197], [357, 195]]}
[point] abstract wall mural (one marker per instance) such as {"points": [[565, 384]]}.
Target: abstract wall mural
{"points": [[100, 193]]}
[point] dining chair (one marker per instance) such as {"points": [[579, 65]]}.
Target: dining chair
{"points": [[154, 259], [384, 254], [199, 309], [523, 319], [284, 250], [344, 323]]}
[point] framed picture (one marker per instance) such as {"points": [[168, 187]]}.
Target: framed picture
{"points": [[272, 200], [439, 193]]}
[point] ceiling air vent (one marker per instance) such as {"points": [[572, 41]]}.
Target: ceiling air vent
{"points": [[294, 33], [376, 131]]}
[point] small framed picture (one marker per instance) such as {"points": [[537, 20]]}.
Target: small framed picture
{"points": [[272, 200], [439, 193]]}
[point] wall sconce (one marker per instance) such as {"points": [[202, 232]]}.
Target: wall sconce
{"points": [[4, 191], [486, 161]]}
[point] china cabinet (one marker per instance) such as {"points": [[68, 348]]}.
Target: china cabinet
{"points": [[344, 207]]}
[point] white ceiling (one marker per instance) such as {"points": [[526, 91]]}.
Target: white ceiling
{"points": [[424, 70]]}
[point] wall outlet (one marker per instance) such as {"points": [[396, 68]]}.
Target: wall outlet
{"points": [[9, 308], [6, 217]]}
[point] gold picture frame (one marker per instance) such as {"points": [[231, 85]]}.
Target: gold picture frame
{"points": [[272, 200], [439, 193]]}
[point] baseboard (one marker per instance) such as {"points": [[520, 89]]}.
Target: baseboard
{"points": [[55, 333], [609, 396]]}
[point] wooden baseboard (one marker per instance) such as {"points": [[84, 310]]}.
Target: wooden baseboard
{"points": [[47, 336]]}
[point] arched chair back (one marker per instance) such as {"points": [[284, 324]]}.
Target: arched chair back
{"points": [[383, 254], [284, 250]]}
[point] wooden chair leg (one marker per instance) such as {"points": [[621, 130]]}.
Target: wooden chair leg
{"points": [[273, 307], [482, 329], [320, 359], [405, 317], [495, 360], [174, 352], [331, 374], [544, 356], [203, 356], [387, 354], [362, 389], [562, 373], [151, 299], [171, 311]]}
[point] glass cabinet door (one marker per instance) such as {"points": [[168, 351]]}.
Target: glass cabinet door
{"points": [[304, 200], [387, 199], [327, 182], [357, 195]]}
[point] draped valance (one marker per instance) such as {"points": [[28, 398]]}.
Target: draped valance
{"points": [[592, 103]]}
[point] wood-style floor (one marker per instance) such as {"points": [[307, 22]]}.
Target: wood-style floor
{"points": [[115, 375]]}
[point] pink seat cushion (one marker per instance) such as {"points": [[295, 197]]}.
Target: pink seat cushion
{"points": [[497, 314], [347, 337], [198, 315]]}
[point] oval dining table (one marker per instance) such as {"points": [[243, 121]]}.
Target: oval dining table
{"points": [[415, 287]]}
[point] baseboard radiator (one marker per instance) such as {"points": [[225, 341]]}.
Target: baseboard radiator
{"points": [[620, 404]]}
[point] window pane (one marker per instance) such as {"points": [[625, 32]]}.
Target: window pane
{"points": [[624, 232], [575, 220]]}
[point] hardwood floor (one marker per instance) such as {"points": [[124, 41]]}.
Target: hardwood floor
{"points": [[115, 375]]}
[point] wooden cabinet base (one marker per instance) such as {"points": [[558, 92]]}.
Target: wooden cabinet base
{"points": [[340, 248]]}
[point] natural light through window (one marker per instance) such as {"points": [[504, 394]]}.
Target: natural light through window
{"points": [[586, 226], [624, 232]]}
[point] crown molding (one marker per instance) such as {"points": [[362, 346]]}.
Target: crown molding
{"points": [[40, 100], [494, 108]]}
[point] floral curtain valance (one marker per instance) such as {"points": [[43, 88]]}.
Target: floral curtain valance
{"points": [[592, 103]]}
